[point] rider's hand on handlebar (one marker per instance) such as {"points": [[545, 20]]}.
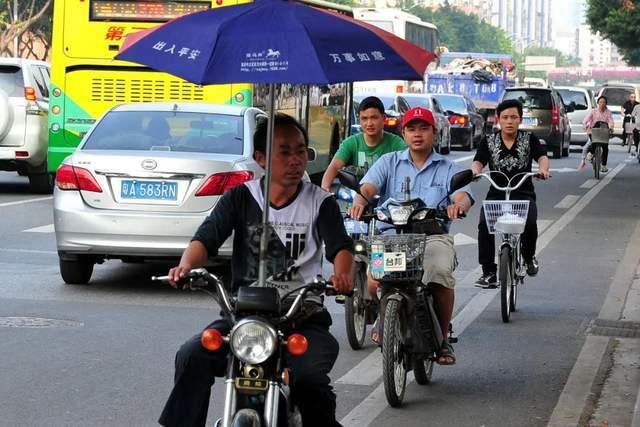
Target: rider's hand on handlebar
{"points": [[343, 283], [176, 274], [455, 211], [356, 211], [543, 174]]}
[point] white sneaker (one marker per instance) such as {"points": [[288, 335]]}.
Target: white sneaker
{"points": [[604, 169], [589, 157]]}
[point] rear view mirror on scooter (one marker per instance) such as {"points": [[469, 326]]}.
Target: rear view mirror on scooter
{"points": [[459, 180]]}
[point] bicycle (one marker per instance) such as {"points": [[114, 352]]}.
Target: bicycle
{"points": [[508, 219], [599, 137]]}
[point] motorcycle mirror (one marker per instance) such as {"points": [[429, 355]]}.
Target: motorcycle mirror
{"points": [[460, 179], [312, 154], [349, 180]]}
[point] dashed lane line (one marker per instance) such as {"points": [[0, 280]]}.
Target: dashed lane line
{"points": [[567, 201], [22, 202]]}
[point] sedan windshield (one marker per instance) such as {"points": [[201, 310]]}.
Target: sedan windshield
{"points": [[167, 131], [452, 103], [531, 98], [578, 98], [419, 101]]}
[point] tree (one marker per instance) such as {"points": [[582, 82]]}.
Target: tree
{"points": [[618, 21], [33, 24], [462, 32]]}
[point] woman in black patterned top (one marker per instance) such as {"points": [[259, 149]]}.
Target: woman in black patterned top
{"points": [[510, 151]]}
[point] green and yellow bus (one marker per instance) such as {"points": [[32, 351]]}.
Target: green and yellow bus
{"points": [[86, 80]]}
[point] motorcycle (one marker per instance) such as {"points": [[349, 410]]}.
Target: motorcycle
{"points": [[257, 389], [411, 335], [361, 308]]}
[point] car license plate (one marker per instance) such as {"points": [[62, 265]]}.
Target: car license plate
{"points": [[530, 121], [149, 190], [395, 261]]}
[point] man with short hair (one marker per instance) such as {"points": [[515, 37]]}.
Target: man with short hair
{"points": [[363, 149], [510, 151], [627, 110], [430, 175], [302, 217]]}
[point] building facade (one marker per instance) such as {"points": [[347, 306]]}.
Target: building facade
{"points": [[594, 51]]}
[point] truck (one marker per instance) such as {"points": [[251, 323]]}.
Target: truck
{"points": [[482, 77]]}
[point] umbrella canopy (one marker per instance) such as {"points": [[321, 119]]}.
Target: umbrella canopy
{"points": [[275, 41]]}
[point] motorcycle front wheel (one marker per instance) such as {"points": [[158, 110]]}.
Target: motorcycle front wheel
{"points": [[355, 309], [246, 418], [394, 373]]}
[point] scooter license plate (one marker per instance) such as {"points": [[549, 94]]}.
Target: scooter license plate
{"points": [[395, 261]]}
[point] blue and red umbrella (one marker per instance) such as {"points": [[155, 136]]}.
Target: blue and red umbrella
{"points": [[275, 41]]}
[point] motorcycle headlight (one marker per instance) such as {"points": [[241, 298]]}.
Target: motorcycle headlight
{"points": [[253, 341], [400, 214], [420, 215]]}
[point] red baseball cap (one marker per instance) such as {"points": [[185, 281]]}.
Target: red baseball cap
{"points": [[419, 113]]}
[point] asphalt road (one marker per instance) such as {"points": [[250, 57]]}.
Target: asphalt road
{"points": [[102, 355]]}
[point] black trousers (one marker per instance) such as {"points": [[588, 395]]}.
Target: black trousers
{"points": [[605, 152], [196, 369], [487, 245]]}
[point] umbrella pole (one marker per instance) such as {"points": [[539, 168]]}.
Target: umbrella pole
{"points": [[264, 240]]}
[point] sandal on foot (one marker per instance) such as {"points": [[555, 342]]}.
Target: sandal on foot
{"points": [[446, 356]]}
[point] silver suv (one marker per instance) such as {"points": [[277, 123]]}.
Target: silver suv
{"points": [[24, 107]]}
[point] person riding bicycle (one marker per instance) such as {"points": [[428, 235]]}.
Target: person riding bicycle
{"points": [[363, 149], [510, 151], [302, 218], [599, 114], [430, 175], [627, 110]]}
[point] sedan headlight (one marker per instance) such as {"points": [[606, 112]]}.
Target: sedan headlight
{"points": [[253, 341]]}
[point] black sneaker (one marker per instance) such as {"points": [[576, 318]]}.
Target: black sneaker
{"points": [[487, 281], [532, 266]]}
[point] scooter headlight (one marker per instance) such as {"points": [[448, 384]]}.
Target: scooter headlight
{"points": [[253, 341], [400, 214]]}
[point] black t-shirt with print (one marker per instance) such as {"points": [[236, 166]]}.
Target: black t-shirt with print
{"points": [[518, 159], [238, 211]]}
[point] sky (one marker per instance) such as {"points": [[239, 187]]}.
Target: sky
{"points": [[566, 16]]}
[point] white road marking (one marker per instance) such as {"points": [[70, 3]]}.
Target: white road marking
{"points": [[43, 229], [543, 224], [27, 251], [568, 201], [590, 183], [22, 202], [367, 372], [375, 403], [461, 239], [462, 159]]}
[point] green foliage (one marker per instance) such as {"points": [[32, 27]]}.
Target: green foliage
{"points": [[619, 24], [466, 33]]}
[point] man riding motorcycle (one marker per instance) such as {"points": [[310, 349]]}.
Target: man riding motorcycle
{"points": [[302, 218], [430, 175]]}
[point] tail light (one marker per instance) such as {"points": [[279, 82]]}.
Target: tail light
{"points": [[555, 115], [211, 339], [297, 344], [73, 178], [218, 183], [29, 93], [458, 120], [391, 122]]}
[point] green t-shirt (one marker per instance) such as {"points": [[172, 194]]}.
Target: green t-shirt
{"points": [[355, 152]]}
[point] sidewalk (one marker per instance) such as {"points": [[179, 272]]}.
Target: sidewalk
{"points": [[603, 388]]}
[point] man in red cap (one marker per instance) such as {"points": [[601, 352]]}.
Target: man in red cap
{"points": [[430, 175]]}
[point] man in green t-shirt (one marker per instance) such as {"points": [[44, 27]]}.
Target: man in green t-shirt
{"points": [[365, 148]]}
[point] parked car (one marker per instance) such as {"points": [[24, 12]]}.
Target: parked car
{"points": [[545, 116], [24, 109], [144, 178], [427, 100], [582, 101], [467, 125], [395, 106], [617, 94]]}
